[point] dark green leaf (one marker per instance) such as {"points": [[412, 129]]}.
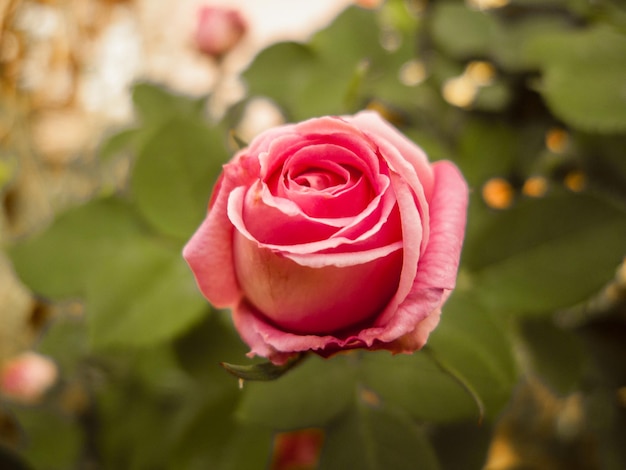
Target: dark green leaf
{"points": [[473, 344], [547, 253], [201, 348], [487, 149], [555, 355], [583, 77], [376, 438], [416, 384], [310, 395], [461, 445]]}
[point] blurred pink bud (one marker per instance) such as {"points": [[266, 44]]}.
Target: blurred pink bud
{"points": [[27, 377], [219, 29], [372, 4], [297, 450]]}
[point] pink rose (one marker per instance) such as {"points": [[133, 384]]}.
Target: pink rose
{"points": [[218, 30], [335, 233]]}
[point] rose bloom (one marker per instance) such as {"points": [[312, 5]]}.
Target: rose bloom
{"points": [[218, 30], [331, 234]]}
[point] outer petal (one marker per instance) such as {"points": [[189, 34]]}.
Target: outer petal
{"points": [[314, 300], [438, 266], [209, 253], [448, 210]]}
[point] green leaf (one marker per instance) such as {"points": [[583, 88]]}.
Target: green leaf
{"points": [[249, 447], [469, 440], [376, 438], [58, 262], [487, 149], [174, 173], [584, 76], [213, 438], [309, 396], [459, 379], [509, 40], [142, 296], [131, 431], [201, 348], [336, 72], [545, 254], [53, 441], [470, 341], [138, 290], [461, 32], [553, 354]]}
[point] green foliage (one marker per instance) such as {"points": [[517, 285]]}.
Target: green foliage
{"points": [[173, 173], [146, 353], [376, 437], [555, 354], [336, 72], [583, 76], [325, 388], [57, 263], [516, 258], [53, 440], [102, 243], [147, 284]]}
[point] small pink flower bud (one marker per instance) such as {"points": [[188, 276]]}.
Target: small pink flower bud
{"points": [[27, 377], [297, 449], [218, 30], [371, 4]]}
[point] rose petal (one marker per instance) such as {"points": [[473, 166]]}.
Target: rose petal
{"points": [[314, 300], [448, 208], [374, 220], [379, 130], [211, 247]]}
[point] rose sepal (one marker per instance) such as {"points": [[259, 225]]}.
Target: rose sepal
{"points": [[263, 371]]}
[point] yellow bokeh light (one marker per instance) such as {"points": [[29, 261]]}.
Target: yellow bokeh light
{"points": [[480, 72], [498, 193], [412, 73], [575, 181], [535, 186], [557, 140], [459, 91]]}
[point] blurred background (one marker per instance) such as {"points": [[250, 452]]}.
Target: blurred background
{"points": [[527, 97]]}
